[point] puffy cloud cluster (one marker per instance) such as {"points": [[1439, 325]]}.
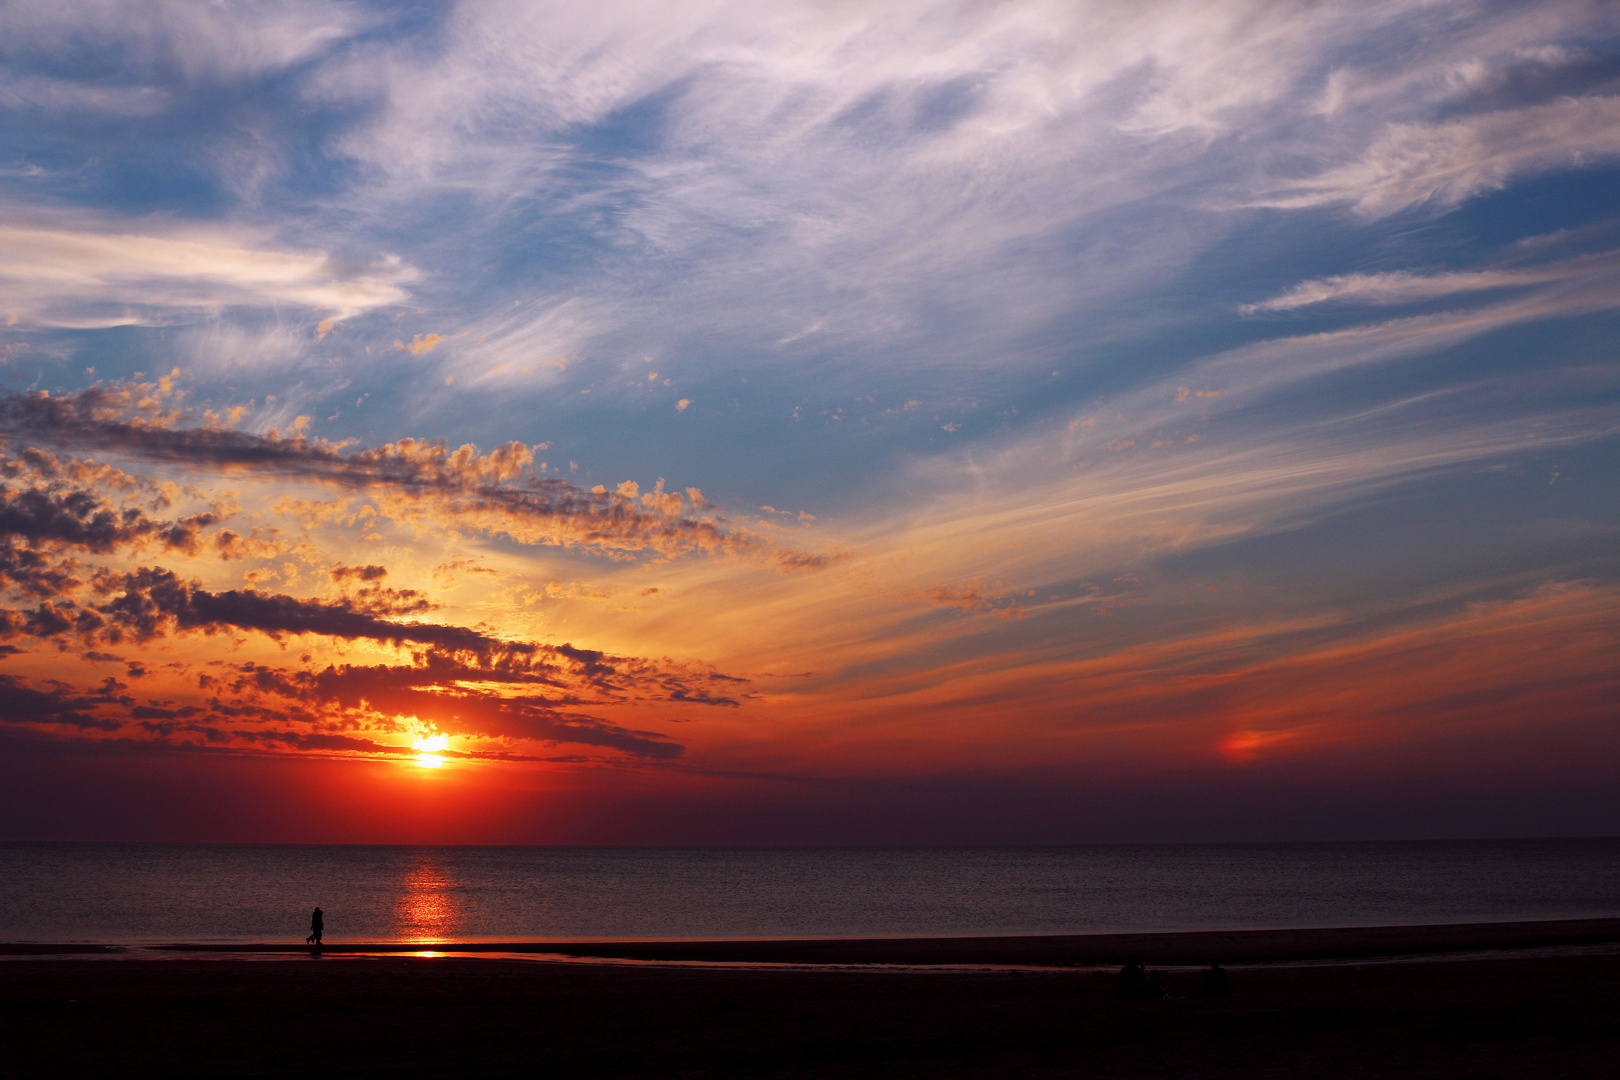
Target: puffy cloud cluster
{"points": [[413, 480], [460, 680], [75, 534], [48, 506]]}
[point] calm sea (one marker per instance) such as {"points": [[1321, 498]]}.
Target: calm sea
{"points": [[147, 893]]}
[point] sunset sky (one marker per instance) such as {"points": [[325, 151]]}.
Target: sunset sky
{"points": [[826, 422]]}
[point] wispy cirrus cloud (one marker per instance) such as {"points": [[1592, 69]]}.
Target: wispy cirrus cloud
{"points": [[955, 183], [863, 169], [1403, 287], [157, 38], [1442, 164], [1268, 688], [88, 274]]}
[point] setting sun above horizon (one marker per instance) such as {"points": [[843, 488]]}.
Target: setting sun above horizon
{"points": [[428, 747]]}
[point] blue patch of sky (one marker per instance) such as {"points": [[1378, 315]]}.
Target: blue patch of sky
{"points": [[1538, 205], [1594, 69], [637, 129], [1519, 358], [897, 115], [1500, 525]]}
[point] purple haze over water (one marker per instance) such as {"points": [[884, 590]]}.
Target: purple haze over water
{"points": [[148, 893]]}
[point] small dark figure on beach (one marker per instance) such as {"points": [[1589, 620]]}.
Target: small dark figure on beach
{"points": [[1132, 981], [314, 929], [1154, 989], [1214, 982]]}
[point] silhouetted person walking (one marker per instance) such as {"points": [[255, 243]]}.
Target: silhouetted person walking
{"points": [[1132, 979], [1215, 982], [314, 928]]}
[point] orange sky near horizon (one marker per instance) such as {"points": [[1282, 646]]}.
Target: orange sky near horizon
{"points": [[196, 591]]}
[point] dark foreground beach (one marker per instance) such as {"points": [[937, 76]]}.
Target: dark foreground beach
{"points": [[1418, 1001]]}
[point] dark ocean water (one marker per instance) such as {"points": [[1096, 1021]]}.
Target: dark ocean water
{"points": [[147, 893]]}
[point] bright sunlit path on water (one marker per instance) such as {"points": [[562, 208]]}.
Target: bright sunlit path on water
{"points": [[426, 910]]}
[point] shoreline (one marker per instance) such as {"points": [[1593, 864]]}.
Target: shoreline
{"points": [[1175, 948]]}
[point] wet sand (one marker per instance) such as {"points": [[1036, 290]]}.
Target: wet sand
{"points": [[1508, 1015], [1195, 947]]}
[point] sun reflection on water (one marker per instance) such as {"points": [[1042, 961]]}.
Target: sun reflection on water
{"points": [[429, 906]]}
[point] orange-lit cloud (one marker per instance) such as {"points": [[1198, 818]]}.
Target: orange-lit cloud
{"points": [[412, 480], [76, 536], [420, 344]]}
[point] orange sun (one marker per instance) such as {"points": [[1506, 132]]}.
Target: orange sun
{"points": [[426, 746]]}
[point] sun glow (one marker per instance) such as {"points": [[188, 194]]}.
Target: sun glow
{"points": [[426, 748]]}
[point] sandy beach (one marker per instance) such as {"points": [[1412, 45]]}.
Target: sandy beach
{"points": [[1476, 1001], [1054, 950]]}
